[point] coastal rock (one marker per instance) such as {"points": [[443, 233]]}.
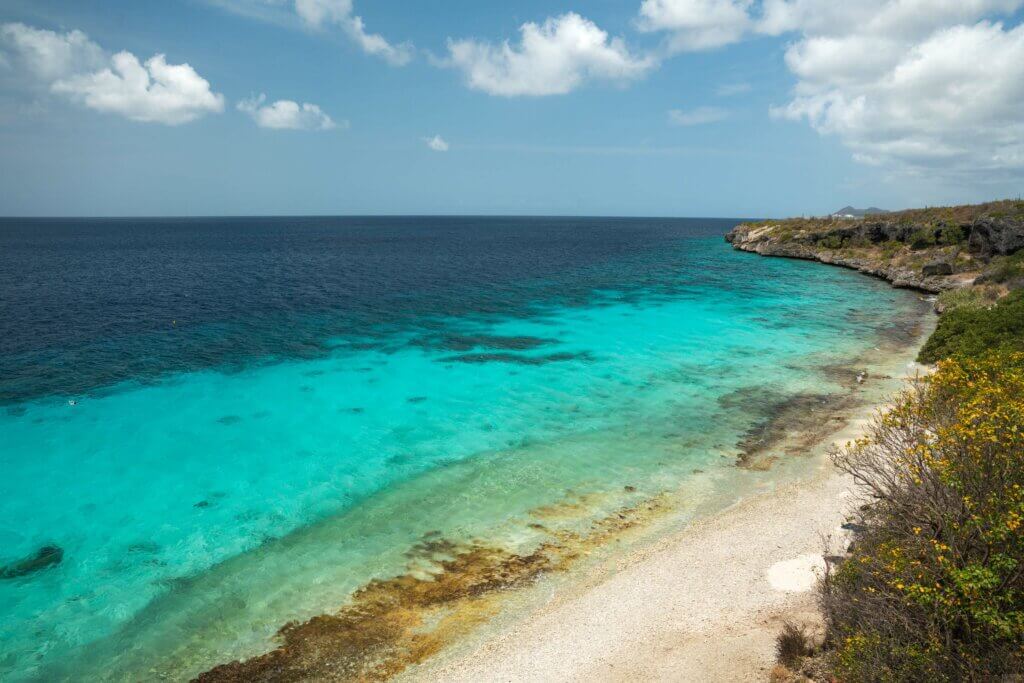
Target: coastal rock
{"points": [[992, 236], [935, 236], [765, 241], [937, 268], [45, 557], [829, 243]]}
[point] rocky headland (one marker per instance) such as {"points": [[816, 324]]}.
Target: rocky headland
{"points": [[932, 250]]}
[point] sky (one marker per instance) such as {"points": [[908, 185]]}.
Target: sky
{"points": [[733, 108]]}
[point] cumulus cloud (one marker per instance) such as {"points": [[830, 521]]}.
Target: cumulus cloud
{"points": [[436, 143], [154, 92], [696, 24], [321, 13], [917, 85], [697, 116], [70, 64], [552, 58], [48, 55], [287, 115]]}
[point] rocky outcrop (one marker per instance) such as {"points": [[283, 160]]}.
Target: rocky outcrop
{"points": [[763, 240], [992, 236], [828, 241], [937, 268]]}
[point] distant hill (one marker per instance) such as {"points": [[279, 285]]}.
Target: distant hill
{"points": [[849, 211]]}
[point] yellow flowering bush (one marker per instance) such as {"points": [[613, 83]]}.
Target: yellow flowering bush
{"points": [[934, 586]]}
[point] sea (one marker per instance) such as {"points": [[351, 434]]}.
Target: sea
{"points": [[211, 427]]}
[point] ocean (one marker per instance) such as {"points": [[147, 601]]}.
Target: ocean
{"points": [[227, 424]]}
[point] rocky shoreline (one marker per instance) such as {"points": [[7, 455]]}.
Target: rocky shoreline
{"points": [[931, 250]]}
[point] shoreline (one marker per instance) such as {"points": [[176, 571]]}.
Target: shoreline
{"points": [[704, 603]]}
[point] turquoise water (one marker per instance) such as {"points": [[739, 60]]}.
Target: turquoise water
{"points": [[198, 511]]}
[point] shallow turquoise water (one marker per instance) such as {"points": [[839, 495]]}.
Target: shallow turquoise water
{"points": [[167, 496]]}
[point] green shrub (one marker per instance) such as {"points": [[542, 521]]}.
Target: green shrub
{"points": [[1006, 268], [891, 248], [934, 587], [831, 242], [972, 331], [951, 235], [922, 238]]}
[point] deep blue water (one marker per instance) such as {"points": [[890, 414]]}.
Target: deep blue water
{"points": [[88, 303], [226, 424]]}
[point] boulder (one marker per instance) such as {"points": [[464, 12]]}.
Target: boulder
{"points": [[996, 236], [937, 268]]}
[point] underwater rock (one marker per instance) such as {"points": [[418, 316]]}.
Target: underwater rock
{"points": [[520, 360], [461, 342], [45, 557]]}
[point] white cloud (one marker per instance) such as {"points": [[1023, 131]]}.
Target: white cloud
{"points": [[552, 58], [696, 24], [320, 13], [916, 85], [72, 65], [287, 115], [48, 55], [697, 116], [436, 143]]}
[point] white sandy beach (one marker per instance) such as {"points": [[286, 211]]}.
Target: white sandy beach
{"points": [[703, 605]]}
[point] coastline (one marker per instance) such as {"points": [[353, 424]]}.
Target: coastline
{"points": [[704, 603]]}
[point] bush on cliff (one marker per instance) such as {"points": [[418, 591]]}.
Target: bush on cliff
{"points": [[973, 331], [1006, 269], [934, 587]]}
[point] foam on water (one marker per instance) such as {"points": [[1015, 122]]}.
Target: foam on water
{"points": [[201, 511]]}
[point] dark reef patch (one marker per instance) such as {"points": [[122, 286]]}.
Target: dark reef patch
{"points": [[754, 399], [793, 426], [228, 420], [468, 342], [416, 399], [517, 359], [44, 558]]}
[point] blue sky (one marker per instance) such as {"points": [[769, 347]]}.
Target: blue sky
{"points": [[635, 107]]}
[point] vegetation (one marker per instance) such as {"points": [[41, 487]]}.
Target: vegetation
{"points": [[971, 331], [792, 645], [934, 587], [944, 220], [1006, 269], [967, 297]]}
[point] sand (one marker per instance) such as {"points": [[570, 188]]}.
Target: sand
{"points": [[703, 605]]}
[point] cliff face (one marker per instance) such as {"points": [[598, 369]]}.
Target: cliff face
{"points": [[929, 249]]}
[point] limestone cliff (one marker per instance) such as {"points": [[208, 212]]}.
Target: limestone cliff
{"points": [[928, 249]]}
